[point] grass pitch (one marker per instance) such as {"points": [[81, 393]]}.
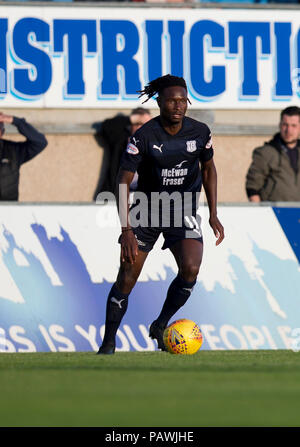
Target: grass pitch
{"points": [[210, 388]]}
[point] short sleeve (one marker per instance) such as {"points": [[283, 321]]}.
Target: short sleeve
{"points": [[207, 152], [133, 154]]}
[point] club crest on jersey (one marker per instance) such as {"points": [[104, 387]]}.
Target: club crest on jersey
{"points": [[191, 146], [132, 149]]}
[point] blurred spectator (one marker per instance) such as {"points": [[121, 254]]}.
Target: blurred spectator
{"points": [[170, 1], [274, 172], [113, 136], [14, 154], [239, 1]]}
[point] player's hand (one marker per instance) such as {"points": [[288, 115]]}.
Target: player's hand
{"points": [[6, 118], [217, 229], [129, 247]]}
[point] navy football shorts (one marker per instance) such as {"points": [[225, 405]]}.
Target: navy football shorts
{"points": [[147, 236]]}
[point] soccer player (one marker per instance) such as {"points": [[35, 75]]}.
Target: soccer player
{"points": [[171, 153]]}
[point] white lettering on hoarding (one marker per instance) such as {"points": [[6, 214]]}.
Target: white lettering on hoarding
{"points": [[55, 331], [254, 336], [283, 332], [149, 343], [125, 343], [296, 341], [90, 336], [47, 338], [212, 340], [14, 332], [5, 345], [226, 330], [228, 335], [269, 337]]}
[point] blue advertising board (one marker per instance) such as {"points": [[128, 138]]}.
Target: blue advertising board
{"points": [[58, 263], [89, 56]]}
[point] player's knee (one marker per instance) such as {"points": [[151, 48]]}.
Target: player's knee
{"points": [[126, 281], [189, 272]]}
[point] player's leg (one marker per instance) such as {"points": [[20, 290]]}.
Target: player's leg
{"points": [[117, 300], [188, 256]]}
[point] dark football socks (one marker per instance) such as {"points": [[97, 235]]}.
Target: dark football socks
{"points": [[116, 307], [178, 293]]}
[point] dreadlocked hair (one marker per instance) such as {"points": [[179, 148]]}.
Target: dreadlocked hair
{"points": [[159, 84]]}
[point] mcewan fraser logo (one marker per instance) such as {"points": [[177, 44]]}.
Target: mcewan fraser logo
{"points": [[180, 164], [174, 176]]}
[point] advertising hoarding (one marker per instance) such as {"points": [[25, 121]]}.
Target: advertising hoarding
{"points": [[92, 57], [58, 263]]}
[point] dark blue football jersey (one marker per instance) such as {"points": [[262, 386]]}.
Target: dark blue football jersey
{"points": [[167, 162]]}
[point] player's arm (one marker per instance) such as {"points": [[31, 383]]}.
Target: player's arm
{"points": [[209, 177], [128, 166], [129, 246]]}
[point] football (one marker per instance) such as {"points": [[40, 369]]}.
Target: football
{"points": [[183, 337]]}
